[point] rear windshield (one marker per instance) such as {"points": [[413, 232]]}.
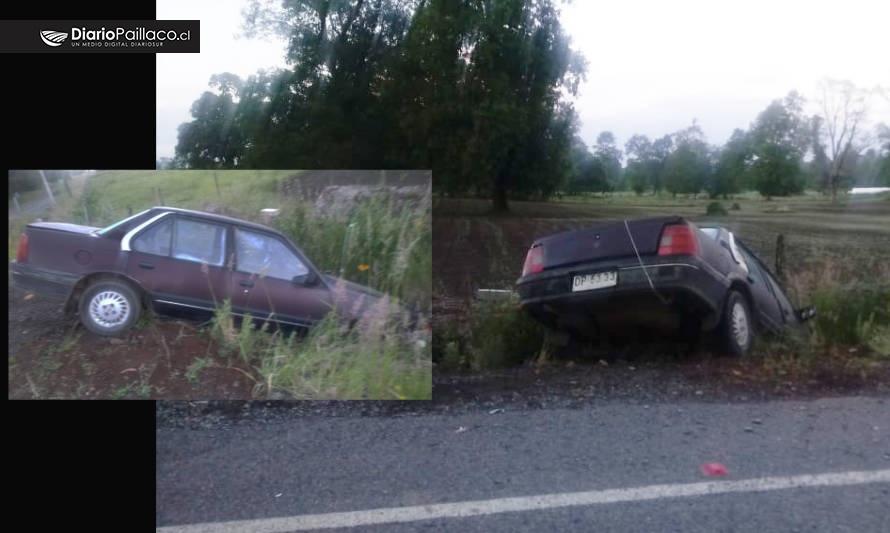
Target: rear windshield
{"points": [[710, 232]]}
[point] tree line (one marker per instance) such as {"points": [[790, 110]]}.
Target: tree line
{"points": [[782, 152], [477, 91], [473, 90]]}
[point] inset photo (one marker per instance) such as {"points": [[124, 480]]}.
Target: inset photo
{"points": [[220, 284]]}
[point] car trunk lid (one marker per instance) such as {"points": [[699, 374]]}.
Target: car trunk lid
{"points": [[600, 242], [62, 226]]}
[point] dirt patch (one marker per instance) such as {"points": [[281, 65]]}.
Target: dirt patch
{"points": [[53, 356]]}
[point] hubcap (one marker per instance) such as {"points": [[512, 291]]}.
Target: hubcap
{"points": [[740, 330], [109, 309]]}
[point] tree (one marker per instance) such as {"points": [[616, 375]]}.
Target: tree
{"points": [[426, 94], [519, 63], [779, 137], [327, 110], [687, 168], [214, 139], [731, 167], [641, 165], [661, 150], [609, 157], [473, 90], [843, 108]]}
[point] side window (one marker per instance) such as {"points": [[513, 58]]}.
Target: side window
{"points": [[156, 239], [264, 255], [199, 241], [754, 269]]}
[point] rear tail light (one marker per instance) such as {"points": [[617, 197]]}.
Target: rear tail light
{"points": [[678, 239], [534, 261], [21, 254]]}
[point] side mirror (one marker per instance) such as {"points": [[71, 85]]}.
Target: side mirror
{"points": [[805, 313], [308, 279]]}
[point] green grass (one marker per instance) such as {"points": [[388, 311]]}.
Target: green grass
{"points": [[498, 334], [378, 359], [109, 194]]}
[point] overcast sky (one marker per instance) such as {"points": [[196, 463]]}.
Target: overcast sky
{"points": [[653, 65]]}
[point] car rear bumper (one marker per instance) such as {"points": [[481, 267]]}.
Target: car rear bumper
{"points": [[679, 289], [47, 283]]}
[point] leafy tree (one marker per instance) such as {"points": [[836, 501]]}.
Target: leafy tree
{"points": [[731, 167], [520, 61], [687, 168], [636, 175], [588, 174], [426, 93], [779, 137], [642, 164], [777, 171], [214, 138], [609, 157], [661, 150], [473, 90], [326, 111]]}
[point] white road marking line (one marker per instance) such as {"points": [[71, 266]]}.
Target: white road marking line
{"points": [[528, 503]]}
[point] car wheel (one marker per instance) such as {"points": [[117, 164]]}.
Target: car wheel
{"points": [[738, 326], [109, 307]]}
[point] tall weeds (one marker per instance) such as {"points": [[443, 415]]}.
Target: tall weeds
{"points": [[380, 243], [852, 301], [377, 358]]}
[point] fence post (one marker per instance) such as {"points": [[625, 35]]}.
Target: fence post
{"points": [[46, 186], [780, 257]]}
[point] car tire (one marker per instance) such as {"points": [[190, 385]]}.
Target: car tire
{"points": [[737, 329], [109, 307]]}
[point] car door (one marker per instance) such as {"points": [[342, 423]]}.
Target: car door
{"points": [[766, 307], [271, 279], [179, 260]]}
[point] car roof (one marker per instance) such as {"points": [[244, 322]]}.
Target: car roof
{"points": [[211, 216]]}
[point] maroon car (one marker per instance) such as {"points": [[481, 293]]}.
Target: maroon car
{"points": [[665, 273], [176, 259]]}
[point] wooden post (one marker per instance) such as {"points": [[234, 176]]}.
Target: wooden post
{"points": [[780, 257]]}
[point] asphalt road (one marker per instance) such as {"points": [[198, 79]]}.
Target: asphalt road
{"points": [[311, 465]]}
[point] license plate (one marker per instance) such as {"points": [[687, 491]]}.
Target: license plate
{"points": [[599, 280]]}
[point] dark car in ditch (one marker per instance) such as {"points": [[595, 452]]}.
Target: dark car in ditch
{"points": [[661, 274], [177, 260]]}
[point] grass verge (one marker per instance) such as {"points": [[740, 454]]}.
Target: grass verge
{"points": [[379, 358]]}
